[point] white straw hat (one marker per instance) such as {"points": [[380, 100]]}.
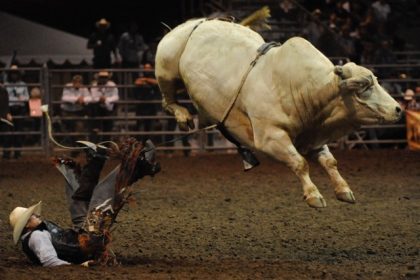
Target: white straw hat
{"points": [[409, 94], [19, 218]]}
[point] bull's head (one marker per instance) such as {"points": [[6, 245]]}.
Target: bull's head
{"points": [[365, 99]]}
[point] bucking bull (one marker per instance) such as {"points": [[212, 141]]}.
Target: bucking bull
{"points": [[289, 102]]}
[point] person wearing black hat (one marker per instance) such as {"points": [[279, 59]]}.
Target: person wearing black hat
{"points": [[103, 43]]}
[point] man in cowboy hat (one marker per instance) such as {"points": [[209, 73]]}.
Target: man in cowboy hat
{"points": [[410, 102], [104, 94], [103, 44], [47, 244]]}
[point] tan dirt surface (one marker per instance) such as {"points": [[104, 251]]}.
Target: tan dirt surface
{"points": [[202, 217]]}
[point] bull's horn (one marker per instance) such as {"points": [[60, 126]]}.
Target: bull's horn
{"points": [[338, 70]]}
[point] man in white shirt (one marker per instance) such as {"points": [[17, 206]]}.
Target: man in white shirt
{"points": [[104, 94], [18, 103], [75, 97]]}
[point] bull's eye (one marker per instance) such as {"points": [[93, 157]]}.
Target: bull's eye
{"points": [[366, 93]]}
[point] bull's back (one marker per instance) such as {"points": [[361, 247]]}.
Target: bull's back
{"points": [[170, 49], [215, 60]]}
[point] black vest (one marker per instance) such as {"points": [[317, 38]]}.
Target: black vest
{"points": [[64, 241]]}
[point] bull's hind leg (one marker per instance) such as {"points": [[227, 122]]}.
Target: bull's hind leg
{"points": [[168, 89], [341, 188], [278, 145]]}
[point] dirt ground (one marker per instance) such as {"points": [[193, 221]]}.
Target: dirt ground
{"points": [[202, 217]]}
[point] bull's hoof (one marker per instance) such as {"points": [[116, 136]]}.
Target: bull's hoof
{"points": [[316, 202], [183, 126], [346, 197]]}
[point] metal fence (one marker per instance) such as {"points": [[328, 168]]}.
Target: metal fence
{"points": [[159, 126]]}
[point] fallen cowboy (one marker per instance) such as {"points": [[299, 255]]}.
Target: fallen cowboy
{"points": [[93, 205]]}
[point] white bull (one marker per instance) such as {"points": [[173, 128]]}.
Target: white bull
{"points": [[294, 100]]}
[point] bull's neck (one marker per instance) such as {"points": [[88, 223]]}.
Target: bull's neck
{"points": [[315, 106]]}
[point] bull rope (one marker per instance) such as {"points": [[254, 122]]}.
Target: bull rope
{"points": [[262, 50], [44, 109]]}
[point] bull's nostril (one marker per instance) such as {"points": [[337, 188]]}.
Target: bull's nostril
{"points": [[398, 109]]}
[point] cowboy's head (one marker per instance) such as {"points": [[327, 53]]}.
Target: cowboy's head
{"points": [[22, 218]]}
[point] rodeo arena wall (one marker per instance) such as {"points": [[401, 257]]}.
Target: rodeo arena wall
{"points": [[138, 112]]}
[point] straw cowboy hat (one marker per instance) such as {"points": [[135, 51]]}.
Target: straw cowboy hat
{"points": [[103, 23], [15, 69], [103, 74], [409, 95], [19, 218]]}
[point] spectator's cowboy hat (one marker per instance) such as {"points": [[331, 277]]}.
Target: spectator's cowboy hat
{"points": [[409, 95], [103, 23], [15, 69], [19, 218], [104, 74]]}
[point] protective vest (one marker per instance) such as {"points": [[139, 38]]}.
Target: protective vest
{"points": [[64, 241]]}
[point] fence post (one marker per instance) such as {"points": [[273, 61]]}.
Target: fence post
{"points": [[46, 100]]}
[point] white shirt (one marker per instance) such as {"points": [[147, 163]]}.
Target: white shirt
{"points": [[71, 95], [18, 93], [109, 91], [40, 243]]}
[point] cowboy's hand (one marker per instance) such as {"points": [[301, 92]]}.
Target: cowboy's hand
{"points": [[9, 117], [88, 263]]}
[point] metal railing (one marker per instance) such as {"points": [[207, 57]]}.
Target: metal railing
{"points": [[127, 121]]}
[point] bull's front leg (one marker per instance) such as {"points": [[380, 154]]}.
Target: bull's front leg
{"points": [[329, 163], [279, 146]]}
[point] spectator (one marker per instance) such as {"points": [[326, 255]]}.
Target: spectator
{"points": [[35, 113], [131, 47], [409, 102], [314, 28], [381, 10], [18, 102], [5, 116], [146, 90], [75, 97], [104, 94], [103, 44], [384, 55], [347, 42], [287, 10]]}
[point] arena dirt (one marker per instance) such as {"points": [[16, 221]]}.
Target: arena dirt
{"points": [[202, 217]]}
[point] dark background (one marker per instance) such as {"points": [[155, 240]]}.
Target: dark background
{"points": [[78, 17]]}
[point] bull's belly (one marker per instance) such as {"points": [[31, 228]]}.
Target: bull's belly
{"points": [[313, 140]]}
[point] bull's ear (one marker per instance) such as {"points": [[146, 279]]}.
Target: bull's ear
{"points": [[354, 84]]}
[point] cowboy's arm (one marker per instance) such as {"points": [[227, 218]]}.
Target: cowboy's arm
{"points": [[40, 243]]}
